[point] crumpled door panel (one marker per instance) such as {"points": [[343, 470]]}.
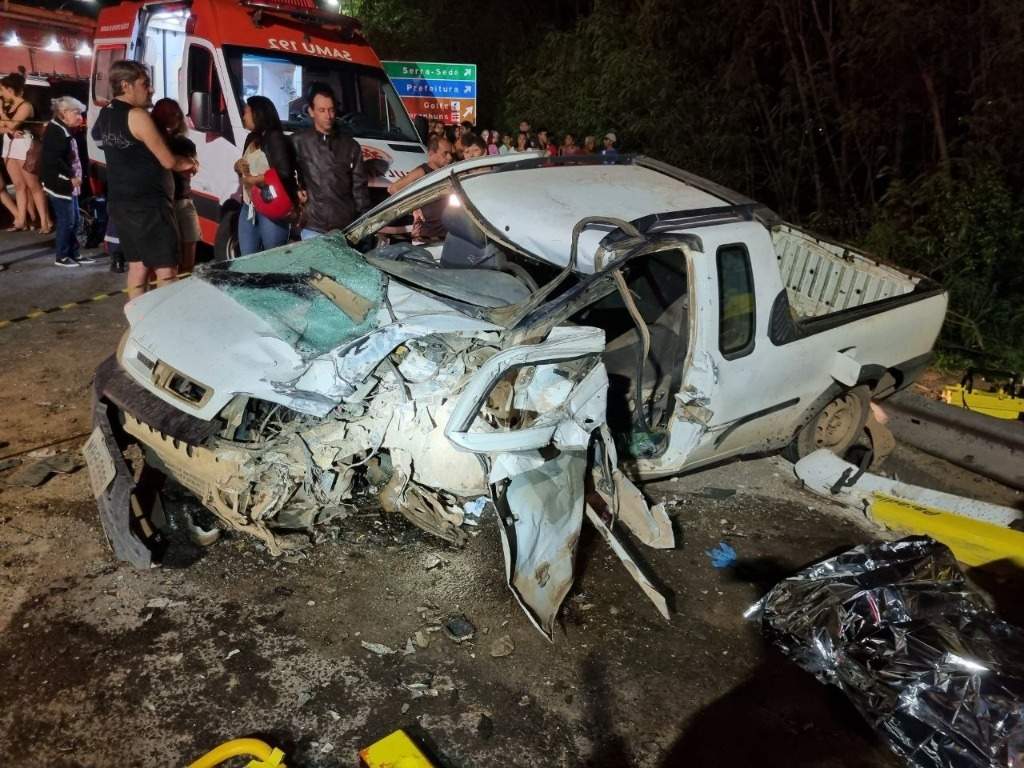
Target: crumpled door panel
{"points": [[537, 411], [541, 515]]}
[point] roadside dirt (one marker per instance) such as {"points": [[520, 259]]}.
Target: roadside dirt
{"points": [[108, 665]]}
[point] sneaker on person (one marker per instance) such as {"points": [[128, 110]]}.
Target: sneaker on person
{"points": [[84, 259], [66, 261]]}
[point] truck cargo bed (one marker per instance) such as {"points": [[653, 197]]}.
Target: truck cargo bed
{"points": [[822, 277]]}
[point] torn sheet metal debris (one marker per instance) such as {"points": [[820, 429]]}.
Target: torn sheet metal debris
{"points": [[898, 629]]}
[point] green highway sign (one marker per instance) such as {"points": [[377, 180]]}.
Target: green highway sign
{"points": [[435, 90], [430, 70]]}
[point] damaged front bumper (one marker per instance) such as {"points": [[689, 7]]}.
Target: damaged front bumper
{"points": [[131, 535]]}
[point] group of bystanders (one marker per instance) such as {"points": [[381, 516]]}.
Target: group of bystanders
{"points": [[309, 183], [316, 178], [466, 143]]}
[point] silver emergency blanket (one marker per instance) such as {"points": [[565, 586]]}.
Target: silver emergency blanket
{"points": [[896, 626]]}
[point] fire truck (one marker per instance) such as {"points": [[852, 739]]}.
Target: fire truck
{"points": [[211, 55]]}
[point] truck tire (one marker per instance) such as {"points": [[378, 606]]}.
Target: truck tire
{"points": [[225, 247], [835, 427]]}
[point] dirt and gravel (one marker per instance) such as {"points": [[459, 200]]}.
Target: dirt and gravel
{"points": [[107, 665]]}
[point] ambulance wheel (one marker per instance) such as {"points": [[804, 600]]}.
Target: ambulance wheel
{"points": [[225, 248]]}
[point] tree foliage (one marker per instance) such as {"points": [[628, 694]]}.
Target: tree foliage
{"points": [[894, 123]]}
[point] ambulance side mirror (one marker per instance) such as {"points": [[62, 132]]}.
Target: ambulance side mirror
{"points": [[200, 110], [422, 128]]}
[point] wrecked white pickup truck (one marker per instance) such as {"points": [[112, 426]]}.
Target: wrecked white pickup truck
{"points": [[581, 321]]}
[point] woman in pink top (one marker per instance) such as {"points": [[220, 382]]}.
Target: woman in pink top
{"points": [[492, 142]]}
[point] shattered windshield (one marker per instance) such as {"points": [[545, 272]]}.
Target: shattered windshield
{"points": [[316, 295]]}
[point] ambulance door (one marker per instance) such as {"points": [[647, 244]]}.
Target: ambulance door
{"points": [[115, 30], [215, 126]]}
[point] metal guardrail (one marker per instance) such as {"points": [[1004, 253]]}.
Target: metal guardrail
{"points": [[991, 447]]}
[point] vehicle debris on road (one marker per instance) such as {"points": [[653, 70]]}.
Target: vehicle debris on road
{"points": [[897, 627], [378, 648], [503, 646], [1004, 400], [459, 628], [34, 473], [396, 750]]}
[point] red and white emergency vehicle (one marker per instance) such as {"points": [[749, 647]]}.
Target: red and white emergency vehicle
{"points": [[211, 55]]}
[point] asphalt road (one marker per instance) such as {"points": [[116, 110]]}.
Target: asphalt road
{"points": [[105, 665]]}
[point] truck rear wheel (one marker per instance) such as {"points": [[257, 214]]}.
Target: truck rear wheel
{"points": [[225, 248], [837, 426]]}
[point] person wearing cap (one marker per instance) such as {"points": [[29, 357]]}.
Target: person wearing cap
{"points": [[62, 178], [610, 153]]}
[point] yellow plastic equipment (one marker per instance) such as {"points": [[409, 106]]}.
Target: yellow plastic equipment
{"points": [[265, 755], [973, 542], [1006, 401], [396, 750]]}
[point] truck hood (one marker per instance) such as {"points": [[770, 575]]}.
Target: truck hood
{"points": [[299, 325]]}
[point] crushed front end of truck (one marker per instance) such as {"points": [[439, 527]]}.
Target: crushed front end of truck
{"points": [[285, 388]]}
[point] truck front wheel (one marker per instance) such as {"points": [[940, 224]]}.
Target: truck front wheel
{"points": [[225, 247], [837, 426]]}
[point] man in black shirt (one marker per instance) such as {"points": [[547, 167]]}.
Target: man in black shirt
{"points": [[334, 183], [140, 189]]}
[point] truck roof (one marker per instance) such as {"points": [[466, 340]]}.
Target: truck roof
{"points": [[535, 201]]}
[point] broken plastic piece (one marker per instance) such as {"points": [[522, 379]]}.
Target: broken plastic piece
{"points": [[396, 750], [459, 628], [972, 541]]}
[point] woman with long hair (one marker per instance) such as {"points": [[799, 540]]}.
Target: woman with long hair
{"points": [[17, 113], [493, 142], [265, 148], [170, 120]]}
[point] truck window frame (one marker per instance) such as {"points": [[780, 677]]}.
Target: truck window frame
{"points": [[734, 352]]}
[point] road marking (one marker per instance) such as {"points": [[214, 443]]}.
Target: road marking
{"points": [[71, 305]]}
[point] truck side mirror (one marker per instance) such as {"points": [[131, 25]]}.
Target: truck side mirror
{"points": [[200, 109]]}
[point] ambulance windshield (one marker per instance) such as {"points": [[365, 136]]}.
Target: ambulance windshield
{"points": [[367, 105]]}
